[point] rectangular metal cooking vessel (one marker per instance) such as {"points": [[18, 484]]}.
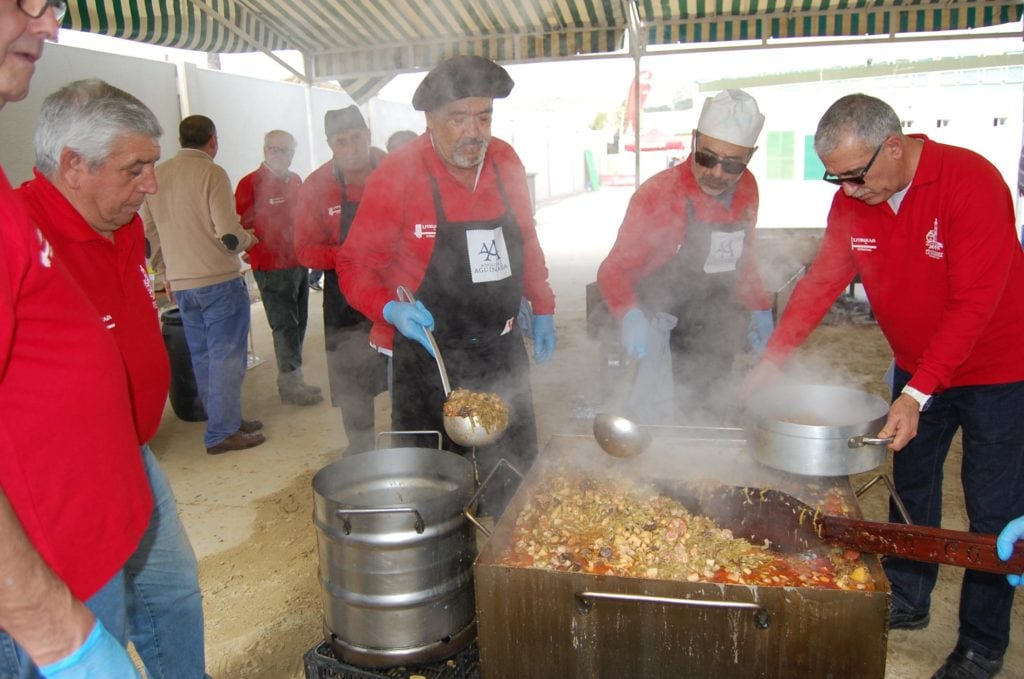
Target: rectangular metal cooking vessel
{"points": [[540, 623]]}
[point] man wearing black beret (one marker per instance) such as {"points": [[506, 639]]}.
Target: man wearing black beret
{"points": [[325, 208], [449, 217]]}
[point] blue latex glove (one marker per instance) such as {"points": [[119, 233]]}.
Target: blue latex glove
{"points": [[1004, 545], [100, 656], [544, 337], [760, 329], [634, 333], [410, 320]]}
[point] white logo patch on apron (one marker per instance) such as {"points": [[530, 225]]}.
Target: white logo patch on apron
{"points": [[725, 251], [488, 256]]}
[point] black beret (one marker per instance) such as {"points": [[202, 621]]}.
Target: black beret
{"points": [[341, 119], [461, 77]]}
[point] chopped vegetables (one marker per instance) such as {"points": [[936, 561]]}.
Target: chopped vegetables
{"points": [[486, 410]]}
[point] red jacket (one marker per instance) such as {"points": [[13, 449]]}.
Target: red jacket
{"points": [[265, 202], [69, 456], [318, 214], [654, 229], [113, 276], [390, 243], [945, 275]]}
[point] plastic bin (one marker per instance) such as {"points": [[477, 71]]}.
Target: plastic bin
{"points": [[184, 393]]}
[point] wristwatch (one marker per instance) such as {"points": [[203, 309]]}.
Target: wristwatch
{"points": [[923, 399]]}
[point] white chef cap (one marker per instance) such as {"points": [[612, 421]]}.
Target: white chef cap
{"points": [[732, 116]]}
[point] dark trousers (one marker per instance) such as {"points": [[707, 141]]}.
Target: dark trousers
{"points": [[285, 295], [357, 373], [500, 366], [991, 418]]}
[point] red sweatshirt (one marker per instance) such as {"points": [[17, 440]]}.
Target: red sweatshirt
{"points": [[318, 214], [945, 276], [265, 202], [69, 457], [392, 239], [113, 276], [654, 229]]}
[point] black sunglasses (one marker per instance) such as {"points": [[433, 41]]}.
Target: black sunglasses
{"points": [[857, 177], [709, 160]]}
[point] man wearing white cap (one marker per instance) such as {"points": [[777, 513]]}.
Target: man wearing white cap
{"points": [[685, 248]]}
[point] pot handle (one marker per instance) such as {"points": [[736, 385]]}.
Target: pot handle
{"points": [[343, 514], [585, 601], [406, 432], [858, 441], [465, 510]]}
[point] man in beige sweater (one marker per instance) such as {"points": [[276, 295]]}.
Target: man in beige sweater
{"points": [[195, 239]]}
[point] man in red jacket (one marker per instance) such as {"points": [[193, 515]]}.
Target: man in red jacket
{"points": [[686, 249], [930, 229], [74, 499], [327, 205], [265, 200], [449, 217], [96, 149]]}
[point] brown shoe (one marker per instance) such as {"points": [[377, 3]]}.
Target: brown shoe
{"points": [[240, 440], [250, 426]]}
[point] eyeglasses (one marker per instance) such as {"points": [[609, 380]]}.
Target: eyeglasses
{"points": [[710, 160], [36, 8], [855, 177], [278, 150]]}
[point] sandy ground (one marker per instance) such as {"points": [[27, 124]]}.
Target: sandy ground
{"points": [[249, 514]]}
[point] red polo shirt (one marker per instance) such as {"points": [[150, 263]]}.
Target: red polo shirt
{"points": [[265, 202], [113, 276], [69, 457]]}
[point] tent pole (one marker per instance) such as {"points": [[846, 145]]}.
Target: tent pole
{"points": [[307, 63], [636, 127]]}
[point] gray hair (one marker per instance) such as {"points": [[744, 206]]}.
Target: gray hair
{"points": [[278, 133], [88, 116], [868, 119]]}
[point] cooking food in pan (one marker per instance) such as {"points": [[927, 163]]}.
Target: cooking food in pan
{"points": [[575, 521], [488, 410]]}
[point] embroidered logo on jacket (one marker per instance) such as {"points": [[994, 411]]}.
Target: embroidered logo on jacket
{"points": [[863, 244], [277, 200], [425, 230], [45, 250], [334, 210], [932, 245]]}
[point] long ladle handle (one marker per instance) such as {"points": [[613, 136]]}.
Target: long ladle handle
{"points": [[445, 384]]}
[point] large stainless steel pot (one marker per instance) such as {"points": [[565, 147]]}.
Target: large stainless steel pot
{"points": [[396, 555], [817, 430]]}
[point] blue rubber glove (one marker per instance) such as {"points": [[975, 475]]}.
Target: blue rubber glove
{"points": [[544, 337], [760, 329], [634, 333], [1004, 545], [100, 656], [410, 320]]}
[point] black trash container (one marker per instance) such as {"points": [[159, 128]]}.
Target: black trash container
{"points": [[184, 393]]}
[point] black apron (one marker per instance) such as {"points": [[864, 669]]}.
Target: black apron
{"points": [[712, 323], [482, 347], [356, 373]]}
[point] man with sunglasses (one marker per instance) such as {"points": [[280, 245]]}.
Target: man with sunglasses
{"points": [[74, 499], [930, 229], [685, 248]]}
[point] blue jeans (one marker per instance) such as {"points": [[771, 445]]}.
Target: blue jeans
{"points": [[108, 604], [165, 609], [216, 322], [991, 418]]}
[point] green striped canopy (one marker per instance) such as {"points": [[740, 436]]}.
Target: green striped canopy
{"points": [[363, 43]]}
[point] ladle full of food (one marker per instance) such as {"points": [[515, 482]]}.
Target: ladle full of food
{"points": [[471, 418]]}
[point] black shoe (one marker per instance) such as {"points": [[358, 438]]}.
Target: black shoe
{"points": [[240, 440], [963, 663], [901, 618], [316, 286]]}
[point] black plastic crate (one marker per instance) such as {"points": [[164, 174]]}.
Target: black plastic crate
{"points": [[321, 662]]}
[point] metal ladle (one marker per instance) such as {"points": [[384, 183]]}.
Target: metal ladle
{"points": [[466, 431], [617, 435]]}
